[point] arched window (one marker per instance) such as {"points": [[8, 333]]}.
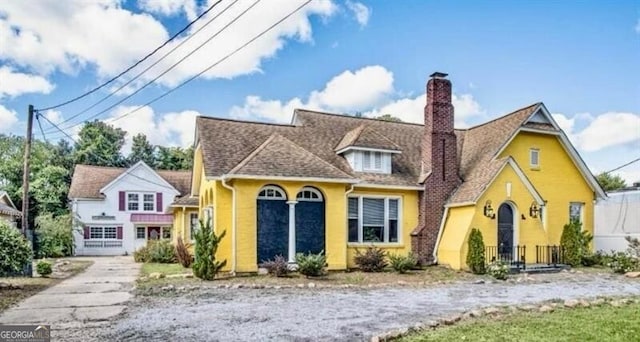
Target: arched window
{"points": [[271, 192], [309, 194]]}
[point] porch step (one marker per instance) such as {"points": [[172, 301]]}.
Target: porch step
{"points": [[541, 268]]}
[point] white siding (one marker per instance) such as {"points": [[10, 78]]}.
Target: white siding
{"points": [[616, 217]]}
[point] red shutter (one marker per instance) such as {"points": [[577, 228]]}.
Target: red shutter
{"points": [[121, 201], [159, 202], [87, 234], [119, 233]]}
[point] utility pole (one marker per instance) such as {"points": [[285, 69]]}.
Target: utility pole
{"points": [[26, 171]]}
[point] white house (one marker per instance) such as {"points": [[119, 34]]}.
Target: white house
{"points": [[8, 211], [616, 217], [120, 209]]}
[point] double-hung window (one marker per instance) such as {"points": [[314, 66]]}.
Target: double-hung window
{"points": [[372, 161], [149, 202], [139, 201], [132, 202], [575, 211], [99, 233], [373, 219]]}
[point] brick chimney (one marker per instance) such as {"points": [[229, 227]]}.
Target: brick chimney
{"points": [[439, 164]]}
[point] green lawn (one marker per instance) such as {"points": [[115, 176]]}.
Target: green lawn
{"points": [[599, 323], [166, 269]]}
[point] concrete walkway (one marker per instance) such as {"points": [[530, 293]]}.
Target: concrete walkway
{"points": [[90, 298]]}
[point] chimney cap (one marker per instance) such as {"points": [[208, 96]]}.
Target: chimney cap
{"points": [[438, 74]]}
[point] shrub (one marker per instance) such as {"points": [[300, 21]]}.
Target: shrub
{"points": [[575, 243], [43, 268], [54, 236], [402, 263], [634, 247], [182, 253], [594, 259], [475, 254], [498, 269], [278, 267], [15, 251], [205, 265], [311, 265], [621, 262], [372, 260], [141, 254], [161, 251]]}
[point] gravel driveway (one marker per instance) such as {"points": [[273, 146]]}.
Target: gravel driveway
{"points": [[331, 314]]}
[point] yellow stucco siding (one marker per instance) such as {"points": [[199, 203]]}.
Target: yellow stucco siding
{"points": [[409, 219], [557, 179]]}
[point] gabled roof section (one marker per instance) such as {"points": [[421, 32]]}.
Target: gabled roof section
{"points": [[88, 180], [129, 172], [364, 136], [280, 157], [6, 205]]}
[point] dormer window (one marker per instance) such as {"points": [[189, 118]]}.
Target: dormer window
{"points": [[367, 150], [372, 161], [369, 161]]}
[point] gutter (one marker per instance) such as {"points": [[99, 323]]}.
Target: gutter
{"points": [[346, 200], [233, 224]]}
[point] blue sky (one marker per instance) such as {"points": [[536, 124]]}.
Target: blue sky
{"points": [[581, 58]]}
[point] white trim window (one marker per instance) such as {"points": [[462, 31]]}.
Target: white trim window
{"points": [[374, 219], [534, 157], [103, 233], [309, 195], [141, 201], [271, 192], [141, 233], [193, 225], [576, 210], [166, 232], [372, 161]]}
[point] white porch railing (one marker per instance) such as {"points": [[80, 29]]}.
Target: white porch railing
{"points": [[103, 244]]}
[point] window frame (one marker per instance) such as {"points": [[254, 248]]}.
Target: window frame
{"points": [[536, 152], [386, 228], [144, 233], [103, 233], [272, 193], [140, 202], [193, 227], [581, 206], [371, 157]]}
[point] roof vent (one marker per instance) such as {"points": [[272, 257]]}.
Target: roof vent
{"points": [[438, 74]]}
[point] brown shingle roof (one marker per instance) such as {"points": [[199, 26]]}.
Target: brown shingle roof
{"points": [[89, 179], [187, 200], [262, 149], [365, 136]]}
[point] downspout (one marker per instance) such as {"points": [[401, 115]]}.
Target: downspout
{"points": [[435, 249], [233, 223], [346, 200]]}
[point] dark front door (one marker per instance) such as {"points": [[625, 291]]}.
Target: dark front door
{"points": [[273, 229], [309, 227], [153, 233], [505, 231]]}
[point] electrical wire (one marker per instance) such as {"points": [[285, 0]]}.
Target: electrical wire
{"points": [[624, 165], [147, 68], [167, 70], [135, 64]]}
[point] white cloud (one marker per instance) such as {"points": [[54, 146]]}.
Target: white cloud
{"points": [[169, 129], [567, 125], [104, 35], [360, 11], [7, 118], [610, 129], [16, 83], [53, 116], [170, 7], [367, 90]]}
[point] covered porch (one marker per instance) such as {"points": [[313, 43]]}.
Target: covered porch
{"points": [[148, 227], [548, 258]]}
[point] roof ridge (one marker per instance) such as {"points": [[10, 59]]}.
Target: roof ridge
{"points": [[244, 121], [503, 116], [354, 117]]}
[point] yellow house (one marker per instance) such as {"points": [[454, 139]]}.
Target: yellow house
{"points": [[337, 183]]}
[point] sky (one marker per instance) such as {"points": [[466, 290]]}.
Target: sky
{"points": [[581, 58]]}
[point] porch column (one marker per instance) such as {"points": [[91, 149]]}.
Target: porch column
{"points": [[292, 231]]}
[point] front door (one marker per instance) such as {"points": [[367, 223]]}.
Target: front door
{"points": [[273, 229], [505, 232], [310, 226], [153, 233]]}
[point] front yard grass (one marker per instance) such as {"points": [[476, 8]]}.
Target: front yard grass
{"points": [[596, 323], [15, 289], [166, 269]]}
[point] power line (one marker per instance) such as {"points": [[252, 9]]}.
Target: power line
{"points": [[212, 65], [624, 165], [167, 70], [135, 64], [149, 67], [40, 125], [128, 171]]}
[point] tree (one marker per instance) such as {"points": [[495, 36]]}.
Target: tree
{"points": [[575, 243], [475, 254], [389, 117], [174, 158], [49, 188], [100, 144], [205, 265], [610, 182], [142, 150]]}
